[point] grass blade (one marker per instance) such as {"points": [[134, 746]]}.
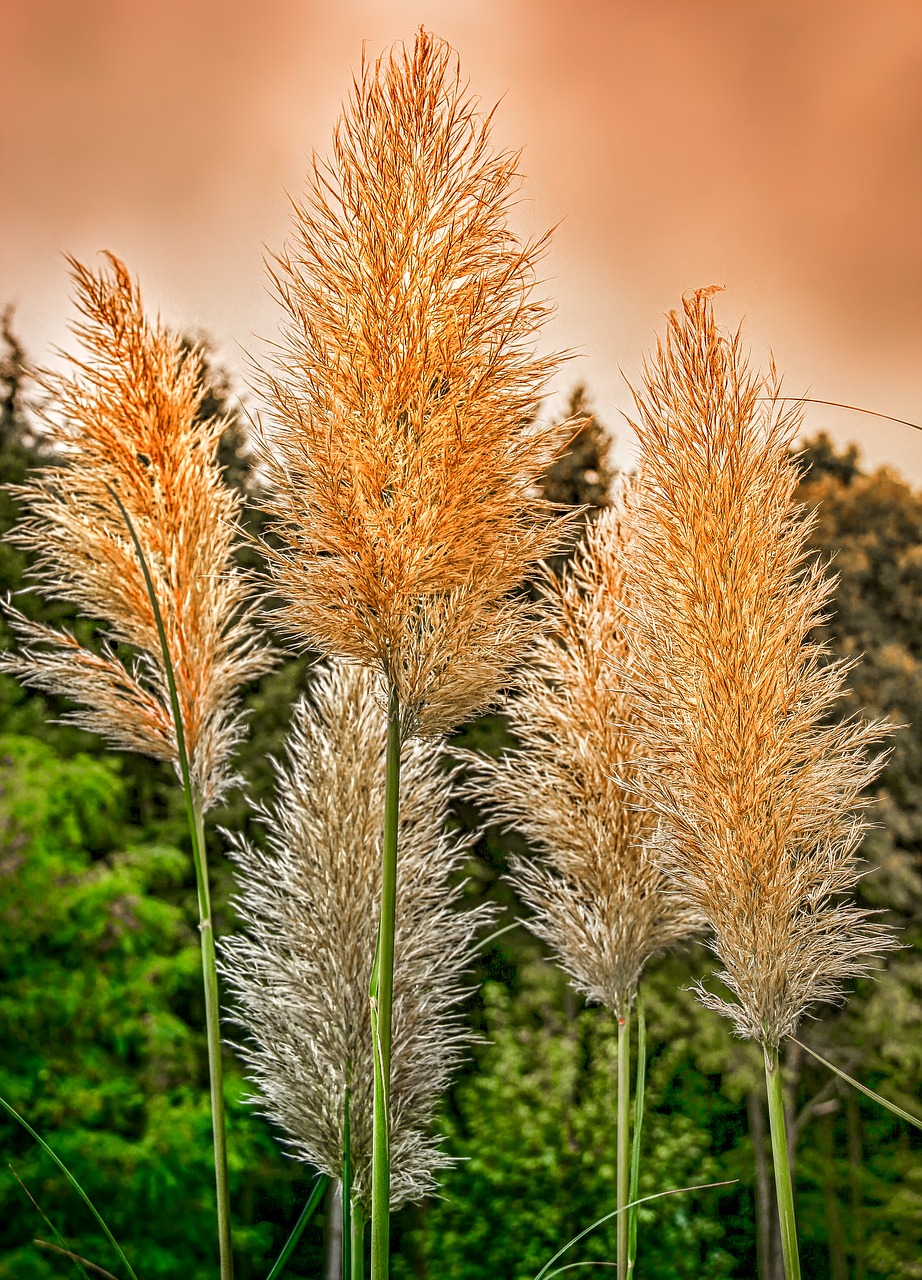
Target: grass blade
{"points": [[658, 1195], [639, 1089], [62, 1248], [307, 1213], [571, 1266], [862, 1088], [75, 1257], [484, 943], [11, 1111]]}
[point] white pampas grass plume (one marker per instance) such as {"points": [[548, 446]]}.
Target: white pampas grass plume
{"points": [[125, 421], [596, 897], [309, 906], [758, 795]]}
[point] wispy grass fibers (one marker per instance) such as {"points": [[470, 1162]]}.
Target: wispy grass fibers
{"points": [[756, 791], [403, 446]]}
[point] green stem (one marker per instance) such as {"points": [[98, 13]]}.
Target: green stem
{"points": [[639, 1091], [213, 1034], [358, 1241], [624, 1147], [382, 995], [347, 1192], [783, 1187], [195, 819]]}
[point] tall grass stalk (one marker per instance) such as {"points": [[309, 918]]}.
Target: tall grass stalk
{"points": [[639, 1097], [595, 894], [784, 1189], [133, 524], [301, 968], [758, 791], [382, 999], [623, 1172], [404, 444], [346, 1204], [358, 1241], [196, 824]]}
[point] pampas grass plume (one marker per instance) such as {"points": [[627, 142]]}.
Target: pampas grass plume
{"points": [[757, 793], [309, 904], [404, 449], [597, 898], [125, 421]]}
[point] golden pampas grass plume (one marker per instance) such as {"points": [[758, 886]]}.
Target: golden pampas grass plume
{"points": [[403, 446], [758, 794], [124, 427]]}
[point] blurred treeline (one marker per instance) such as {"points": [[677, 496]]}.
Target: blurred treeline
{"points": [[101, 1041]]}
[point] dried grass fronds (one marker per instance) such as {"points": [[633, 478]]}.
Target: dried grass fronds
{"points": [[598, 899], [757, 795], [310, 905], [404, 447], [124, 418]]}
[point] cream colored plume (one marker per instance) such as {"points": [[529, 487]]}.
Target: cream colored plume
{"points": [[124, 424], [597, 898], [310, 904], [403, 447], [757, 791]]}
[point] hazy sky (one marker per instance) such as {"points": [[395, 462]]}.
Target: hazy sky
{"points": [[775, 148]]}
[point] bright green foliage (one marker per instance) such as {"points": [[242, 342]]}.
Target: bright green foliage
{"points": [[101, 1052], [534, 1131]]}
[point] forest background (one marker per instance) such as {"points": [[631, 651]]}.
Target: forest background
{"points": [[100, 1003]]}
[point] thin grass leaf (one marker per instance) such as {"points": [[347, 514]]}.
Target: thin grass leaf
{"points": [[51, 1227], [658, 1195], [855, 408], [491, 937], [638, 1125], [571, 1266], [306, 1214], [93, 1266], [862, 1088], [73, 1182]]}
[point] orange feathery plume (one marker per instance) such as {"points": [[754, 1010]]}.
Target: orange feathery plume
{"points": [[126, 429], [404, 448], [755, 791]]}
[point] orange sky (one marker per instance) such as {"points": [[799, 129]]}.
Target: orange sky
{"points": [[775, 148]]}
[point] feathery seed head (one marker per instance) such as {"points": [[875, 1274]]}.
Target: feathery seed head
{"points": [[756, 793], [124, 420], [597, 897], [310, 906], [404, 447]]}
